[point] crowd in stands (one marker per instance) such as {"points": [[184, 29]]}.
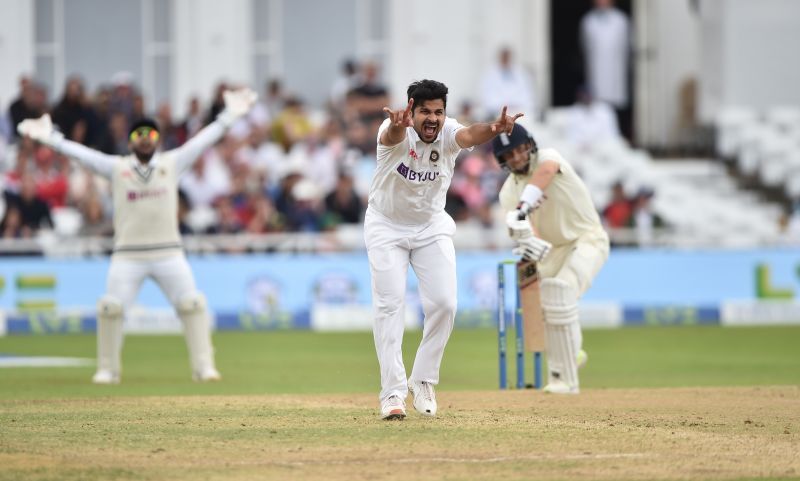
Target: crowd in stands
{"points": [[285, 168]]}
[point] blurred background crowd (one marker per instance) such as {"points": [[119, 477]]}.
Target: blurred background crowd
{"points": [[295, 166], [285, 168]]}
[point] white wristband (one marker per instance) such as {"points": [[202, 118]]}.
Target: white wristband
{"points": [[531, 195]]}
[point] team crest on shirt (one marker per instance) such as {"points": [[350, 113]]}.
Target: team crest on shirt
{"points": [[434, 155]]}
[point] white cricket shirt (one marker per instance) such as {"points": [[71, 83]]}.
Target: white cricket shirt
{"points": [[411, 179]]}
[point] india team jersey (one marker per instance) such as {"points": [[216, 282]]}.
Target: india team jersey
{"points": [[411, 179], [145, 205], [145, 196], [567, 212]]}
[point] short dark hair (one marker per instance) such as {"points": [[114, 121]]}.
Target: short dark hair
{"points": [[143, 122], [423, 90]]}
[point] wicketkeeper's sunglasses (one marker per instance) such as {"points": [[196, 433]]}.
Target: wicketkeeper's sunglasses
{"points": [[148, 132]]}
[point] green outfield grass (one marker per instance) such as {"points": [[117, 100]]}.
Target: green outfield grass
{"points": [[656, 403], [309, 362]]}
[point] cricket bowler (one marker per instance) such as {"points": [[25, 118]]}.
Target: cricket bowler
{"points": [[406, 224]]}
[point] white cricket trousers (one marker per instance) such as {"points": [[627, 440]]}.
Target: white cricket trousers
{"points": [[577, 264], [172, 274], [429, 249]]}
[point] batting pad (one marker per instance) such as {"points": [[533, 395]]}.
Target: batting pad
{"points": [[197, 328], [560, 306], [109, 334]]}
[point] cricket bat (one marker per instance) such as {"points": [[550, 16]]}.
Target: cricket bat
{"points": [[531, 305]]}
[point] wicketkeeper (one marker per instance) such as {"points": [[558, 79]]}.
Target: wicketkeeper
{"points": [[551, 217], [146, 238]]}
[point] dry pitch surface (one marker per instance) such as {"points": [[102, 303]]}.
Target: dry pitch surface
{"points": [[686, 433]]}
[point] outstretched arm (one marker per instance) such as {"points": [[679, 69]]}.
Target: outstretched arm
{"points": [[237, 104], [480, 133], [41, 130]]}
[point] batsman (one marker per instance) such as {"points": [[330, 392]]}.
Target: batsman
{"points": [[553, 221]]}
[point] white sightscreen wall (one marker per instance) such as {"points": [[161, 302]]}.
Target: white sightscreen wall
{"points": [[749, 55], [101, 39], [455, 41], [667, 36], [317, 37], [16, 47]]}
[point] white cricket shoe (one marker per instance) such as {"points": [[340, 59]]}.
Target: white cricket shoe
{"points": [[560, 387], [209, 374], [424, 397], [105, 376], [393, 408], [582, 358]]}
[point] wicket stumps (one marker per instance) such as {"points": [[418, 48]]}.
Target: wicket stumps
{"points": [[502, 340]]}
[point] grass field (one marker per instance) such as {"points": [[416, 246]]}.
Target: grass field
{"points": [[656, 403]]}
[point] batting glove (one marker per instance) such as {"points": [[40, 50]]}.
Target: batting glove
{"points": [[532, 249], [237, 103], [518, 228], [41, 130]]}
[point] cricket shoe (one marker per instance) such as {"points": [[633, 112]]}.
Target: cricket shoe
{"points": [[581, 359], [393, 408], [560, 387], [424, 397], [209, 374], [105, 376]]}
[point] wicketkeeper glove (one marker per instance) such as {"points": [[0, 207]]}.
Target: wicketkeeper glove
{"points": [[41, 130], [237, 103]]}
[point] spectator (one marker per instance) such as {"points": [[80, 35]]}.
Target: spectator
{"points": [[304, 209], [123, 95], [96, 221], [469, 187], [265, 217], [194, 118], [369, 98], [116, 138], [206, 181], [347, 80], [11, 226], [344, 203], [31, 104], [606, 40], [617, 213], [172, 135], [71, 114], [34, 212], [591, 122], [292, 124], [217, 104], [52, 184], [507, 84], [643, 219], [227, 218]]}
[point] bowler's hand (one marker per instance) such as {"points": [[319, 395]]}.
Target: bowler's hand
{"points": [[504, 123], [401, 118]]}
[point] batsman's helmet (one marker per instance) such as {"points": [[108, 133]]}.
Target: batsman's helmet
{"points": [[504, 143]]}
